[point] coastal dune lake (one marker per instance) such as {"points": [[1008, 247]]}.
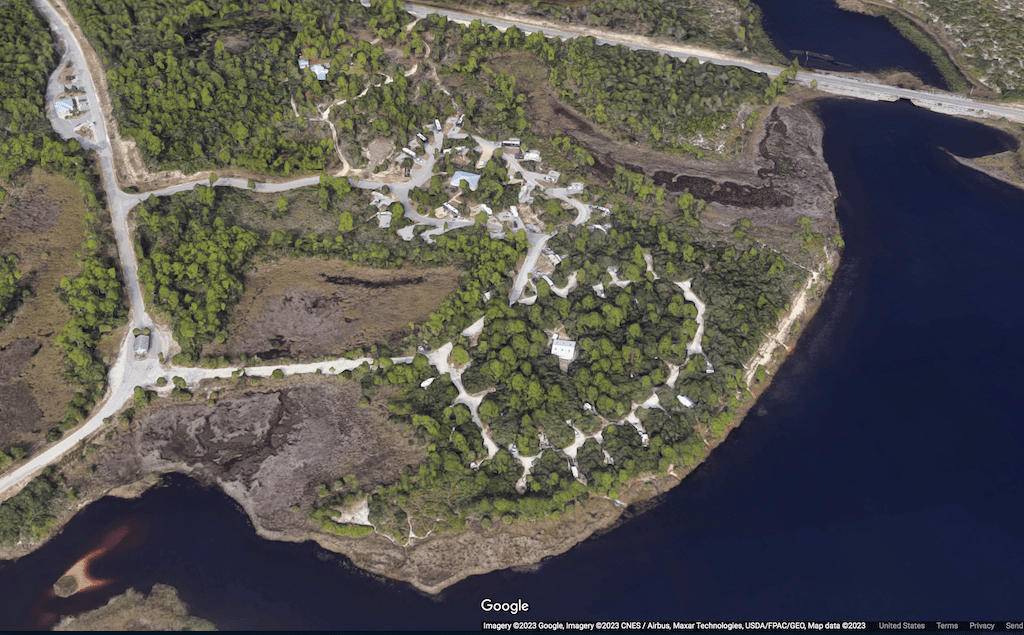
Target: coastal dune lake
{"points": [[821, 35], [878, 476]]}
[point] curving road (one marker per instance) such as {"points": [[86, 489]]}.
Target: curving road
{"points": [[128, 371]]}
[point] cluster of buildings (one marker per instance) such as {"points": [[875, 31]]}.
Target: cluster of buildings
{"points": [[70, 106]]}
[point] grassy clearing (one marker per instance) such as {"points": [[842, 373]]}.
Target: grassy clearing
{"points": [[46, 251], [259, 212], [309, 307]]}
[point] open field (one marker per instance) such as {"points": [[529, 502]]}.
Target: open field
{"points": [[310, 307], [42, 224], [259, 211]]}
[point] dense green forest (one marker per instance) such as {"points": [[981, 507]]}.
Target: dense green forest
{"points": [[28, 515], [209, 84], [94, 295], [640, 95], [626, 337], [723, 24], [10, 292], [27, 57]]}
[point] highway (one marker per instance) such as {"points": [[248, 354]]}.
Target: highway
{"points": [[832, 83], [129, 371]]}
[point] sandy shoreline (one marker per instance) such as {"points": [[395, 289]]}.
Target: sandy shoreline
{"points": [[501, 546]]}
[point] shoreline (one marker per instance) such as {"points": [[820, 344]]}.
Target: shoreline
{"points": [[942, 58], [517, 545]]}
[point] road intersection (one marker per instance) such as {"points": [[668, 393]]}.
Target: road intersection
{"points": [[129, 371]]}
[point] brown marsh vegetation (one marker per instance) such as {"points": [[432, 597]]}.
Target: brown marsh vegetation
{"points": [[308, 307], [42, 225]]}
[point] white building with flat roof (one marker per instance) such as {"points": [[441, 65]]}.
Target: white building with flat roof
{"points": [[63, 107], [563, 349]]}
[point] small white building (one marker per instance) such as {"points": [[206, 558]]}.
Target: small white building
{"points": [[563, 349], [576, 187], [379, 200], [514, 211], [460, 176], [320, 70], [63, 107], [553, 176], [487, 210], [530, 155], [141, 345], [685, 401]]}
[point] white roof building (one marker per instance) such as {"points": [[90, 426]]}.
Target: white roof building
{"points": [[575, 187], [553, 176], [141, 345], [563, 349], [685, 401], [471, 179], [63, 107], [531, 155], [320, 70]]}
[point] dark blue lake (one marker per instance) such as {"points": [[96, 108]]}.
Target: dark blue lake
{"points": [[883, 482], [855, 41]]}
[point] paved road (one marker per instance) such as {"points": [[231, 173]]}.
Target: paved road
{"points": [[834, 83], [129, 371]]}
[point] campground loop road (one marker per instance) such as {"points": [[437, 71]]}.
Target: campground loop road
{"points": [[128, 371]]}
